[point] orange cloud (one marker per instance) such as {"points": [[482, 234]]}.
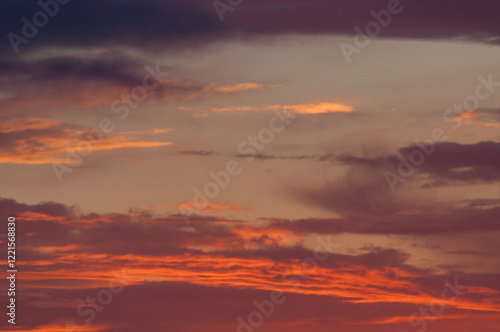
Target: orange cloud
{"points": [[44, 141], [103, 94], [471, 118], [222, 253], [27, 124], [242, 87], [85, 97], [354, 283], [319, 108], [234, 109]]}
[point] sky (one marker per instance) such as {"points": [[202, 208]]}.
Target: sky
{"points": [[251, 165]]}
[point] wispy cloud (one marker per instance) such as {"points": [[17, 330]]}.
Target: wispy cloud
{"points": [[45, 141]]}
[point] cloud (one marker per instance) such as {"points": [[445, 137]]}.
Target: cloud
{"points": [[238, 88], [157, 24], [362, 193], [357, 193], [196, 308], [473, 118], [214, 207], [261, 156], [304, 109], [319, 108], [197, 153], [140, 24], [17, 125], [153, 131], [214, 262], [450, 164], [83, 80], [44, 141], [436, 221], [234, 109], [463, 163]]}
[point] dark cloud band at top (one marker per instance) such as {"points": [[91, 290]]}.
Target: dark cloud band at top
{"points": [[157, 25]]}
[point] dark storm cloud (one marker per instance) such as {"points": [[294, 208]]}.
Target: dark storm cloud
{"points": [[9, 207], [419, 19], [467, 163], [84, 81], [426, 222], [450, 163], [363, 190], [159, 25], [116, 69]]}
